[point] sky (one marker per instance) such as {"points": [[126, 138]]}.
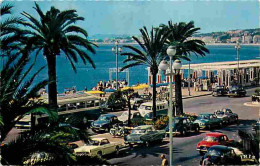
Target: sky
{"points": [[128, 16]]}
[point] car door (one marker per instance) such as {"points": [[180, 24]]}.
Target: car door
{"points": [[215, 120], [184, 125], [105, 146], [189, 124]]}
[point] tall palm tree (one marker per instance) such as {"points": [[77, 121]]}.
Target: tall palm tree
{"points": [[56, 32], [180, 35], [19, 93], [149, 54]]}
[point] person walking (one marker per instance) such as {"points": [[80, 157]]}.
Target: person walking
{"points": [[164, 160]]}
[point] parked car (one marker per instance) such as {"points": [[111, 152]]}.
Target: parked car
{"points": [[98, 147], [161, 108], [213, 139], [256, 96], [208, 120], [219, 91], [145, 134], [256, 126], [135, 116], [182, 125], [226, 115], [104, 122], [118, 104], [236, 91], [222, 155], [136, 102], [146, 97]]}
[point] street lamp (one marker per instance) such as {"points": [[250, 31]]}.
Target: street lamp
{"points": [[171, 51], [237, 47], [116, 49]]}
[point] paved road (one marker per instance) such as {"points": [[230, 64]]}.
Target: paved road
{"points": [[185, 147]]}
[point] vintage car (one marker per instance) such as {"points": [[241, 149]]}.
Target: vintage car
{"points": [[98, 147], [226, 115], [119, 104], [213, 139], [256, 126], [219, 91], [104, 122], [135, 116], [237, 91], [208, 120], [136, 102], [182, 125], [145, 134], [222, 155]]}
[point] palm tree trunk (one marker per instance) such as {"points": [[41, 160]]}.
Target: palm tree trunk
{"points": [[129, 111], [52, 86], [178, 95], [154, 96]]}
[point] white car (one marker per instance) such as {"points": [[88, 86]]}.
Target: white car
{"points": [[124, 116], [161, 108], [98, 147]]}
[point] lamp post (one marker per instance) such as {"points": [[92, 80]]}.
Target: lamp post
{"points": [[178, 94], [189, 79], [116, 49], [171, 51], [237, 47]]}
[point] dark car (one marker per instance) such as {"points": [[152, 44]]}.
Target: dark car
{"points": [[220, 91], [256, 126], [104, 122], [118, 104], [222, 155], [182, 125], [237, 91]]}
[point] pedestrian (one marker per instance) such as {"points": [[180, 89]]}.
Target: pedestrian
{"points": [[206, 161], [164, 160]]}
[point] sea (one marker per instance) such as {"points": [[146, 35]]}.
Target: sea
{"points": [[104, 59]]}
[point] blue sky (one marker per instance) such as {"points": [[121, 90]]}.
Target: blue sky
{"points": [[126, 17]]}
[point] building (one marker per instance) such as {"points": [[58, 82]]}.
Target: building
{"points": [[208, 39], [247, 39], [256, 39]]}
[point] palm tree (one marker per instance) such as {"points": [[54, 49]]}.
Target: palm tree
{"points": [[179, 35], [10, 32], [54, 33], [19, 93], [149, 54]]}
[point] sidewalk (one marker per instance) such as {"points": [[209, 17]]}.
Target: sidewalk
{"points": [[185, 93]]}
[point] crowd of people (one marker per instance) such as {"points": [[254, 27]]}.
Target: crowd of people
{"points": [[102, 85]]}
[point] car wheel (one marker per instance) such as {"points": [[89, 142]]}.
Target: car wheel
{"points": [[147, 143], [99, 154], [117, 151], [220, 125], [197, 129], [184, 132], [209, 127]]}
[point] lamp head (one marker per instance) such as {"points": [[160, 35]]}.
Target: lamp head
{"points": [[171, 51], [163, 65], [177, 64]]}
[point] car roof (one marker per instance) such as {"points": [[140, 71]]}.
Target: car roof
{"points": [[143, 127], [220, 147], [215, 134], [108, 115], [98, 139]]}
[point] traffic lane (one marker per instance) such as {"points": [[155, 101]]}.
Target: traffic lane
{"points": [[184, 149], [208, 104]]}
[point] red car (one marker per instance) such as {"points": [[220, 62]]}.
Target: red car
{"points": [[212, 139]]}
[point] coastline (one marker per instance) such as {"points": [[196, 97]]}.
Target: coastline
{"points": [[208, 44]]}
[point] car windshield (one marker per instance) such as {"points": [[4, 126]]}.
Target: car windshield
{"points": [[220, 113], [210, 139], [94, 142], [138, 131], [103, 118], [148, 108], [175, 120], [203, 117], [214, 152]]}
